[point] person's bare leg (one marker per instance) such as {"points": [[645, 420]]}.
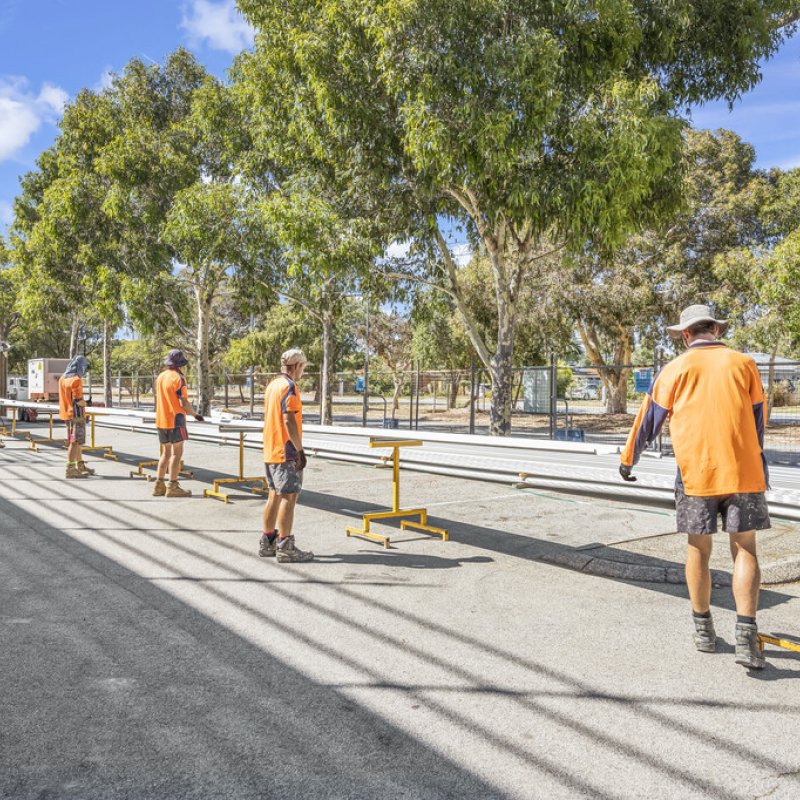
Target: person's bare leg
{"points": [[286, 506], [746, 573], [271, 510], [175, 461], [163, 461], [74, 452], [698, 574]]}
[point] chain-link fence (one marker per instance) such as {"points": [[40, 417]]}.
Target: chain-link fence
{"points": [[555, 401]]}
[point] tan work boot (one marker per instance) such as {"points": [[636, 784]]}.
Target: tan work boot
{"points": [[83, 468], [160, 489], [74, 472], [174, 490]]}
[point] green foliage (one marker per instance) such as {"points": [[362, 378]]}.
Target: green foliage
{"points": [[143, 356]]}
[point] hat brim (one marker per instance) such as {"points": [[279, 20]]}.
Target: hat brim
{"points": [[675, 331]]}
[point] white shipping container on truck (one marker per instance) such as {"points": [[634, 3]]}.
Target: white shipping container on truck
{"points": [[43, 375]]}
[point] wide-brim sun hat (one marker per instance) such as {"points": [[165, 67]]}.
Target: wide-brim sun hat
{"points": [[175, 358], [691, 316]]}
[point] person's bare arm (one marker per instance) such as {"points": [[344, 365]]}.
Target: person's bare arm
{"points": [[187, 407]]}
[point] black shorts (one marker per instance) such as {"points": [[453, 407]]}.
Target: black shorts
{"points": [[739, 512], [176, 434]]}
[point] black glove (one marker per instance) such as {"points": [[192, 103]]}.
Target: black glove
{"points": [[301, 460], [89, 402], [626, 473], [199, 418]]}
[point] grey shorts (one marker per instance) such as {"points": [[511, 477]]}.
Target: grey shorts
{"points": [[740, 512], [76, 430], [284, 478]]}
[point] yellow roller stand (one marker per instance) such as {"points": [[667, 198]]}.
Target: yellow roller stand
{"points": [[35, 442], [396, 512], [139, 471], [786, 644], [240, 478], [92, 446]]}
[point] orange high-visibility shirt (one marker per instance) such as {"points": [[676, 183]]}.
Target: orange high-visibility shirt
{"points": [[171, 389], [715, 403], [281, 397], [69, 390]]}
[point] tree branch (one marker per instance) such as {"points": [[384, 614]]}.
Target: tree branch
{"points": [[469, 321]]}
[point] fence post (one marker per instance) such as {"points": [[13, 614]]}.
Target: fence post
{"points": [[411, 402], [136, 378], [416, 412], [656, 368], [553, 394], [472, 393], [252, 390], [225, 375]]}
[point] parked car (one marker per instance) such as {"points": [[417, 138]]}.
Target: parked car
{"points": [[584, 389]]}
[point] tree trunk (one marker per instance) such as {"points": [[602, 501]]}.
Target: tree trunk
{"points": [[3, 365], [73, 336], [108, 397], [455, 385], [616, 383], [501, 374], [770, 385], [326, 373], [397, 380], [203, 360]]}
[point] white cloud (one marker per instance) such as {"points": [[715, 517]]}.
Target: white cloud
{"points": [[106, 80], [217, 24], [6, 213], [53, 97], [22, 112]]}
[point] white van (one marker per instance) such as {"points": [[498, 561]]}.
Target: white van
{"points": [[17, 387]]}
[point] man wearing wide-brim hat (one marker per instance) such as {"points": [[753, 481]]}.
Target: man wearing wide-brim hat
{"points": [[715, 402], [172, 406]]}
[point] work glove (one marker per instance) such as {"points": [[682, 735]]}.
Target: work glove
{"points": [[301, 460], [626, 473], [199, 418], [89, 401]]}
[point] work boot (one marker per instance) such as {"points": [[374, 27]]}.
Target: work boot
{"points": [[705, 637], [74, 472], [266, 549], [83, 468], [286, 552], [160, 489], [174, 490], [748, 652]]}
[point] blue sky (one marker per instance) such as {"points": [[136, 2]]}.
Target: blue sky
{"points": [[50, 49]]}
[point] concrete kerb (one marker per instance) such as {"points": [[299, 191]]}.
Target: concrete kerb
{"points": [[786, 570]]}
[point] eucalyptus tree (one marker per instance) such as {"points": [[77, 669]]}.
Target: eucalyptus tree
{"points": [[177, 196], [618, 296], [528, 123], [759, 281], [9, 315], [324, 260]]}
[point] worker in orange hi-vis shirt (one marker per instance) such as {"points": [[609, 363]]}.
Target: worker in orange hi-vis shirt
{"points": [[284, 459], [71, 407], [172, 406], [714, 400]]}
